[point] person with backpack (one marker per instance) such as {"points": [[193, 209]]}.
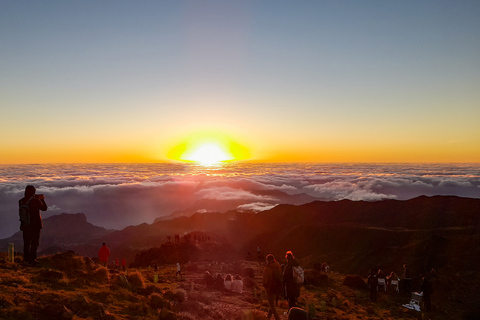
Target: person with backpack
{"points": [[31, 222], [272, 282], [292, 279]]}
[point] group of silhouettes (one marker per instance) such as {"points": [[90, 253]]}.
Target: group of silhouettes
{"points": [[282, 280], [188, 238], [104, 254], [228, 283], [378, 280]]}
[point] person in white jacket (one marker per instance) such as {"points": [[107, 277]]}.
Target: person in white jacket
{"points": [[237, 284]]}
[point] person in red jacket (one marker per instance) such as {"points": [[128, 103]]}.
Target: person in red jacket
{"points": [[31, 231], [103, 254]]}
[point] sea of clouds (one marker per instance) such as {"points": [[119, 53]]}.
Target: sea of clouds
{"points": [[115, 196]]}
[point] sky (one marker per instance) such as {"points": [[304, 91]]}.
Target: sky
{"points": [[280, 81]]}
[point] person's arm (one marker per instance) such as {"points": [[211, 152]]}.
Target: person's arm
{"points": [[42, 205]]}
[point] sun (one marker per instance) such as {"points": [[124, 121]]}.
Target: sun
{"points": [[208, 149], [208, 154]]}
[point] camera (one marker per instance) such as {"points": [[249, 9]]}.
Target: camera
{"points": [[40, 196]]}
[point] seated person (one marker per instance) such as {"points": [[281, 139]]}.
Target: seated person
{"points": [[237, 284], [228, 282]]}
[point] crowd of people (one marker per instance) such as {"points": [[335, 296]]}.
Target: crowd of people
{"points": [[379, 281]]}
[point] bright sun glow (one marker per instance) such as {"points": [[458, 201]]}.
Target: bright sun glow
{"points": [[207, 148], [208, 154]]}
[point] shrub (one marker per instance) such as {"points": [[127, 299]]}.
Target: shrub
{"points": [[155, 301], [200, 297], [354, 281], [66, 261], [50, 276], [177, 296], [316, 278], [101, 275], [136, 281]]}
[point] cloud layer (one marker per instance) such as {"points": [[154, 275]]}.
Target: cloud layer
{"points": [[116, 196]]}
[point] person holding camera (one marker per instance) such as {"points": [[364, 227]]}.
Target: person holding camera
{"points": [[31, 230]]}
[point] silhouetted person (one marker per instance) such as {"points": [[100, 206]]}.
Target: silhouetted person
{"points": [[272, 282], [219, 282], [227, 283], [292, 289], [103, 254], [381, 275], [179, 270], [31, 230], [407, 279], [392, 276], [372, 281], [426, 289], [208, 278]]}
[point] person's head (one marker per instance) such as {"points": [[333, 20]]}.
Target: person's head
{"points": [[237, 277], [405, 266], [270, 258], [228, 277], [104, 244], [289, 256], [30, 191]]}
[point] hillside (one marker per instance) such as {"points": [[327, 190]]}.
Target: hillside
{"points": [[64, 232], [438, 233], [67, 286]]}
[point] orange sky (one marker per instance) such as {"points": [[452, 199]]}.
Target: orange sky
{"points": [[321, 82]]}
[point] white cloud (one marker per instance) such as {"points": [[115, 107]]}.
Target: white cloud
{"points": [[255, 206]]}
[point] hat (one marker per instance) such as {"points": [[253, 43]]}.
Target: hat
{"points": [[289, 255], [270, 258]]}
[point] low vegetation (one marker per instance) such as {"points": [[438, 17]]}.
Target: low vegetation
{"points": [[68, 286]]}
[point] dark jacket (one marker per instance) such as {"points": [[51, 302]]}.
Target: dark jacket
{"points": [[292, 288], [272, 277], [34, 207]]}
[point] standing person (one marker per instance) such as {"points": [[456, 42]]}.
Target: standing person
{"points": [[407, 279], [103, 254], [124, 264], [179, 272], [426, 289], [291, 287], [272, 282], [31, 229], [372, 281]]}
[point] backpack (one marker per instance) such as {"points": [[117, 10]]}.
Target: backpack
{"points": [[24, 213], [298, 275]]}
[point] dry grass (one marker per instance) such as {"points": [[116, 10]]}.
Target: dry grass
{"points": [[54, 291]]}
